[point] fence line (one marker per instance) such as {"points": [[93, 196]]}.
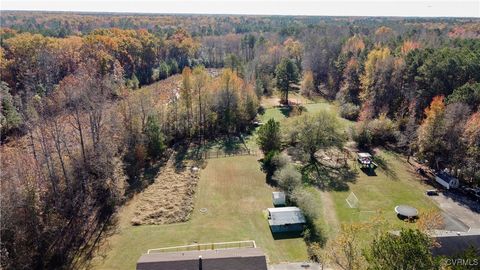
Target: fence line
{"points": [[206, 246], [220, 153]]}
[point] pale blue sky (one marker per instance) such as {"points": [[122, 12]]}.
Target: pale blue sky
{"points": [[429, 8]]}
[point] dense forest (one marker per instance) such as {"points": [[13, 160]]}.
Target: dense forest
{"points": [[78, 128]]}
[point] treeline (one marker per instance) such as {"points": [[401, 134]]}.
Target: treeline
{"points": [[416, 93], [417, 99], [32, 64], [82, 137], [84, 155], [63, 24]]}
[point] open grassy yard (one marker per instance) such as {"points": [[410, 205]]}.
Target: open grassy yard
{"points": [[393, 184], [280, 114], [235, 193], [378, 195]]}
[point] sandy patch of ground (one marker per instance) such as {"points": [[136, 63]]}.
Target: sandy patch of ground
{"points": [[169, 199]]}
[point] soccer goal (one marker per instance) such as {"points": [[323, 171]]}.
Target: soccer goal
{"points": [[352, 200]]}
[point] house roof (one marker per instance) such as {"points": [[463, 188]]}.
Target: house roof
{"points": [[228, 259], [451, 243], [454, 243], [285, 216]]}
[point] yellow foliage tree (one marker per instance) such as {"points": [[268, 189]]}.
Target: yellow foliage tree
{"points": [[308, 84]]}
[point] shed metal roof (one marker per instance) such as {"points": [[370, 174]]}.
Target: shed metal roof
{"points": [[285, 216]]}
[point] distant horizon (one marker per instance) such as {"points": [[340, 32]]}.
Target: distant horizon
{"points": [[308, 8], [94, 13]]}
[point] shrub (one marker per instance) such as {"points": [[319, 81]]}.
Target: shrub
{"points": [[297, 110], [272, 162], [383, 130], [305, 201], [155, 74], [288, 178], [349, 111], [379, 131], [362, 135], [280, 161]]}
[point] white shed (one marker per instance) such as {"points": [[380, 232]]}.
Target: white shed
{"points": [[285, 219], [278, 198]]}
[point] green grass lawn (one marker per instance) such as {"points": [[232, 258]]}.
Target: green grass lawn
{"points": [[378, 195], [235, 193], [280, 114]]}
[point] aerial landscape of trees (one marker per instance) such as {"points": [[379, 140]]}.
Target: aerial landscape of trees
{"points": [[80, 127]]}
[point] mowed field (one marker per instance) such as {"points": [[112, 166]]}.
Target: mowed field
{"points": [[379, 194], [234, 192]]}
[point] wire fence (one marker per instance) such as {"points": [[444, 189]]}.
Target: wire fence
{"points": [[221, 153], [206, 246]]}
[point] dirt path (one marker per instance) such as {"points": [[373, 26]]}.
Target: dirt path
{"points": [[329, 212]]}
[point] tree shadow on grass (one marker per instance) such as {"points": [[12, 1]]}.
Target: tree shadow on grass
{"points": [[181, 154], [286, 110], [137, 182], [231, 145], [369, 171], [384, 165], [329, 178], [313, 233]]}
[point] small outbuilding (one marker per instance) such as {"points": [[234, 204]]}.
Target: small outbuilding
{"points": [[286, 219], [278, 198]]}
